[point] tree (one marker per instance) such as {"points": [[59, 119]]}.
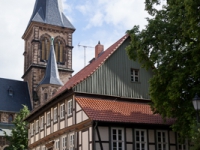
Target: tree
{"points": [[170, 45], [19, 135]]}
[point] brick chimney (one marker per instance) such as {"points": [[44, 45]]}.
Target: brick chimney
{"points": [[98, 49]]}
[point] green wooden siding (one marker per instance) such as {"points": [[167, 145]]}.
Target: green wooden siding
{"points": [[114, 77]]}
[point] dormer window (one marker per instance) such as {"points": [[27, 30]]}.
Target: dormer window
{"points": [[10, 91]]}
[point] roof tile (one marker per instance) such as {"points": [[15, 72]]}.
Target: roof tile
{"points": [[120, 111]]}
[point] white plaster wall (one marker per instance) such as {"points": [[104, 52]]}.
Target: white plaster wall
{"points": [[105, 146], [129, 146], [70, 121], [85, 143], [103, 131], [85, 117], [129, 135], [151, 136], [172, 137], [80, 137], [42, 134], [78, 107], [48, 131], [151, 147], [78, 117], [55, 127], [90, 133], [32, 140], [62, 124], [36, 137]]}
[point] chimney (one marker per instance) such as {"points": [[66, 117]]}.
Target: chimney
{"points": [[98, 49]]}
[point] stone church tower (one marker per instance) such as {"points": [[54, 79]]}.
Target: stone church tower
{"points": [[47, 20]]}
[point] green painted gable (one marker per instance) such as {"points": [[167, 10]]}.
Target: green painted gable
{"points": [[113, 77]]}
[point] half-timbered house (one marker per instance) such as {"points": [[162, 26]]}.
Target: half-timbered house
{"points": [[105, 106]]}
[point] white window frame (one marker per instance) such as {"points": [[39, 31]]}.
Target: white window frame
{"points": [[48, 118], [42, 123], [71, 141], [69, 107], [135, 75], [32, 128], [62, 111], [182, 146], [55, 114], [163, 143], [64, 142], [36, 126], [141, 140], [57, 144], [117, 139]]}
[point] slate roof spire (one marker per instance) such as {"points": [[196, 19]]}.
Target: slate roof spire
{"points": [[50, 12], [51, 75]]}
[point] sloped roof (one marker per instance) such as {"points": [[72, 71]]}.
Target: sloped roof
{"points": [[91, 68], [120, 111], [51, 75], [50, 12], [20, 96]]}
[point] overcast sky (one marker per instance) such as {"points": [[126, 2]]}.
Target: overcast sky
{"points": [[95, 20]]}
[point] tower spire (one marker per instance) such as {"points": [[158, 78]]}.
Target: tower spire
{"points": [[51, 75], [50, 12]]}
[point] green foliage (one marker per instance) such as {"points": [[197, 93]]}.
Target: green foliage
{"points": [[170, 44], [19, 135]]}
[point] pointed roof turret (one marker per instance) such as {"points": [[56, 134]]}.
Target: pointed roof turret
{"points": [[50, 12], [51, 75]]}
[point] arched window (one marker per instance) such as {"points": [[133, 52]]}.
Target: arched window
{"points": [[10, 118], [59, 50], [45, 48]]}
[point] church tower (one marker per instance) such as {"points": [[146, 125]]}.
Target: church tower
{"points": [[47, 20]]}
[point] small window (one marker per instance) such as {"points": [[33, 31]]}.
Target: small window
{"points": [[10, 91], [64, 143], [55, 115], [162, 141], [36, 126], [62, 111], [134, 75], [10, 118], [117, 139], [182, 146], [69, 108], [48, 119], [42, 123], [57, 145], [140, 139], [71, 141]]}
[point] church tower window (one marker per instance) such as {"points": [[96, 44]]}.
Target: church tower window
{"points": [[45, 46], [59, 50]]}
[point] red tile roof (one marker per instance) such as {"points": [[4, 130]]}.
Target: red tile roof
{"points": [[91, 68], [120, 111]]}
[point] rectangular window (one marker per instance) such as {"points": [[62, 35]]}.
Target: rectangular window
{"points": [[48, 118], [134, 75], [41, 122], [55, 115], [140, 139], [32, 128], [182, 146], [71, 141], [62, 111], [64, 143], [57, 145], [69, 108], [36, 126], [162, 140], [117, 139]]}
